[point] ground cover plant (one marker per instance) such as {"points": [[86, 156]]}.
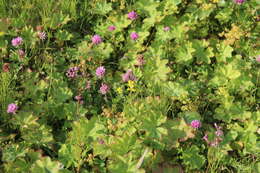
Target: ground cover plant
{"points": [[129, 86]]}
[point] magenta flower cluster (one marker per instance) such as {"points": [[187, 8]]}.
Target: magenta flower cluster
{"points": [[72, 72], [104, 88], [17, 41], [79, 98], [111, 28], [217, 139], [218, 131], [132, 15], [166, 28], [88, 85], [100, 71], [129, 75], [195, 124], [21, 53], [42, 35], [96, 39], [12, 108], [258, 58], [239, 1], [134, 36]]}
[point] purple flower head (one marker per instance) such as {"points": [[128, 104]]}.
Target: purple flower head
{"points": [[88, 85], [206, 138], [132, 15], [258, 58], [96, 39], [111, 28], [78, 97], [128, 76], [239, 2], [17, 41], [101, 141], [195, 124], [6, 67], [72, 72], [100, 71], [219, 132], [42, 35], [166, 28], [12, 108], [134, 36], [104, 88], [21, 53], [215, 142]]}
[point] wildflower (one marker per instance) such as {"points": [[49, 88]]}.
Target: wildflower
{"points": [[258, 58], [131, 86], [100, 71], [128, 76], [206, 138], [218, 132], [134, 36], [96, 39], [166, 28], [132, 15], [119, 90], [72, 72], [140, 60], [88, 85], [21, 53], [239, 2], [12, 108], [79, 98], [215, 142], [101, 141], [42, 35], [195, 124], [104, 88], [111, 28], [17, 41], [6, 67]]}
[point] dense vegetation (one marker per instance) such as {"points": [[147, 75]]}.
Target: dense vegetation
{"points": [[129, 86]]}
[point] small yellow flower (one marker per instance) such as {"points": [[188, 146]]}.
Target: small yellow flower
{"points": [[199, 1], [131, 86], [215, 1], [119, 90], [206, 6]]}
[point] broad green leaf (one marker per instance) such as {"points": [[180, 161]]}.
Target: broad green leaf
{"points": [[45, 165], [225, 51], [184, 53], [203, 53], [12, 152], [192, 158], [63, 35], [175, 90], [102, 8], [161, 71], [174, 2], [176, 130], [70, 155]]}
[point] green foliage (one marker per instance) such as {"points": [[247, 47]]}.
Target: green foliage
{"points": [[192, 158], [193, 60]]}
